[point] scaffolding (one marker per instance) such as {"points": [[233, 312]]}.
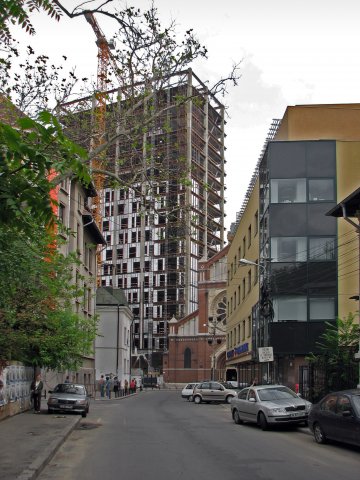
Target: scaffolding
{"points": [[165, 209]]}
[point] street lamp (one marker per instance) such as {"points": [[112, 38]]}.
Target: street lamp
{"points": [[213, 341], [266, 309], [243, 262]]}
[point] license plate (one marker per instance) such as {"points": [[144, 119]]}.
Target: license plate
{"points": [[297, 414], [66, 406]]}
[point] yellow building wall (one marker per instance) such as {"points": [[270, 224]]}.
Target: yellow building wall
{"points": [[348, 180], [238, 312], [320, 122]]}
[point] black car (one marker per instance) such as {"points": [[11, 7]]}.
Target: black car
{"points": [[337, 417]]}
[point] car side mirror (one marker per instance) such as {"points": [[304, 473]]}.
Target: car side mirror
{"points": [[252, 400], [347, 413], [50, 391]]}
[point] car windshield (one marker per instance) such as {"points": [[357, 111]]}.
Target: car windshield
{"points": [[68, 388], [356, 401], [278, 393]]}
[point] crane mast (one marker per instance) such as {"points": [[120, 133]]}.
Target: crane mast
{"points": [[99, 125]]}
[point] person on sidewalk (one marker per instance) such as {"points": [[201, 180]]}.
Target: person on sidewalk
{"points": [[108, 387], [126, 387], [36, 390], [116, 387], [102, 386]]}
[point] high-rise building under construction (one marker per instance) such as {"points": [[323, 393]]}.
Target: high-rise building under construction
{"points": [[168, 210]]}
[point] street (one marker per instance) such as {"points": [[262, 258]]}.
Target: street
{"points": [[158, 435]]}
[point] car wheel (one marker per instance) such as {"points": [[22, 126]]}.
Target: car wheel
{"points": [[229, 398], [190, 398], [83, 414], [319, 434], [236, 417], [262, 421], [197, 399]]}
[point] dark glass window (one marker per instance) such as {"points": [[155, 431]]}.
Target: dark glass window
{"points": [[321, 190], [321, 248], [320, 158], [329, 404], [290, 308], [287, 159], [187, 358], [288, 249], [288, 190], [318, 222], [322, 308]]}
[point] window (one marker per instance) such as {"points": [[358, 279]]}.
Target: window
{"points": [[134, 282], [249, 326], [256, 274], [329, 404], [321, 190], [288, 249], [124, 223], [243, 330], [108, 255], [187, 358], [256, 223], [119, 253], [244, 245], [343, 405], [132, 252], [105, 226], [322, 308], [249, 236], [290, 190], [249, 280], [243, 288], [290, 308], [321, 248], [61, 213], [239, 295]]}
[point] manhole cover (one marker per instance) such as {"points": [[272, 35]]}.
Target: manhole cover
{"points": [[87, 426]]}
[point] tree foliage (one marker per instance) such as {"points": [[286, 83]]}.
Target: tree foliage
{"points": [[337, 346], [37, 323], [29, 152]]}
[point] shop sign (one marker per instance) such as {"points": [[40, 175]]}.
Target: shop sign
{"points": [[238, 350]]}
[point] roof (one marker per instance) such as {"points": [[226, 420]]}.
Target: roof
{"points": [[110, 296], [90, 224], [349, 207]]}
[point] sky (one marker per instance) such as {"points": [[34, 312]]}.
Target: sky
{"points": [[292, 52]]}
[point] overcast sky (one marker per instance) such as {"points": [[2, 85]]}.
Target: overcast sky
{"points": [[293, 52]]}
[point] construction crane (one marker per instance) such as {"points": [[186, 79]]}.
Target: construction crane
{"points": [[98, 137]]}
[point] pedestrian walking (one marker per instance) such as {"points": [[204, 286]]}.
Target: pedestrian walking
{"points": [[116, 387], [132, 386], [108, 387], [67, 379], [126, 385], [102, 386], [36, 390]]}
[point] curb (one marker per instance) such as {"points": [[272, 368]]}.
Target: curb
{"points": [[46, 455]]}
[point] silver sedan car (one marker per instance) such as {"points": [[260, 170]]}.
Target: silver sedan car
{"points": [[69, 397], [269, 405]]}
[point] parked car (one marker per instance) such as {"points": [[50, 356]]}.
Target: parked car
{"points": [[187, 391], [69, 397], [237, 384], [269, 405], [212, 392], [337, 417]]}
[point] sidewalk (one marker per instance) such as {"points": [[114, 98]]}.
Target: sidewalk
{"points": [[29, 441]]}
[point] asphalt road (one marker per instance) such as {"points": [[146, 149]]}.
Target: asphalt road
{"points": [[157, 435]]}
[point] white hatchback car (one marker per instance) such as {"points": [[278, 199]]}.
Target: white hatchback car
{"points": [[187, 391]]}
